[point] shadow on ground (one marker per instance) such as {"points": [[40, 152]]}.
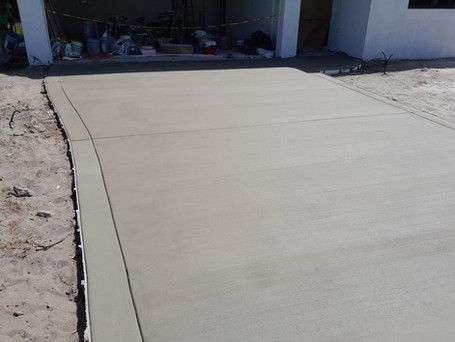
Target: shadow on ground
{"points": [[377, 66], [313, 64]]}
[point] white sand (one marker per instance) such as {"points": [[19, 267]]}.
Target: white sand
{"points": [[37, 287], [427, 86]]}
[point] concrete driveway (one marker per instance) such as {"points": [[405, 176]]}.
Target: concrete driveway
{"points": [[258, 204]]}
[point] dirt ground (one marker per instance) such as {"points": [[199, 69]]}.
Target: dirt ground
{"points": [[38, 272], [427, 86]]}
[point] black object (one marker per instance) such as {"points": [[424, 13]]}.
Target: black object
{"points": [[134, 50], [261, 40]]}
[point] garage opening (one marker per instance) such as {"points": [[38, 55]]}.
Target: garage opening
{"points": [[314, 25], [201, 29]]}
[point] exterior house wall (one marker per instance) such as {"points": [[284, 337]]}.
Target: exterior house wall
{"points": [[36, 36], [366, 28], [288, 28], [361, 28], [409, 33], [348, 27]]}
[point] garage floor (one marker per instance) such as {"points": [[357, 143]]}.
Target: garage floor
{"points": [[242, 203]]}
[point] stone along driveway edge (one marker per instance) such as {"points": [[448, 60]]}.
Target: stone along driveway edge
{"points": [[111, 313]]}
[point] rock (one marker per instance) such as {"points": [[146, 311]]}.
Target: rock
{"points": [[17, 313], [44, 214], [18, 192]]}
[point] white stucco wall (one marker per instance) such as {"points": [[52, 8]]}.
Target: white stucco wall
{"points": [[409, 33], [288, 28], [34, 24], [348, 27]]}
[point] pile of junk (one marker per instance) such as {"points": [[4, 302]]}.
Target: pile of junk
{"points": [[117, 38]]}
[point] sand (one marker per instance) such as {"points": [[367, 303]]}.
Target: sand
{"points": [[427, 86], [38, 279]]}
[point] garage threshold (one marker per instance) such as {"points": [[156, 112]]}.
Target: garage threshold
{"points": [[332, 64]]}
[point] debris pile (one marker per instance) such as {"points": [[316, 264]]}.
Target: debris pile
{"points": [[169, 34]]}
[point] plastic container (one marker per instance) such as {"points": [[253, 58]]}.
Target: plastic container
{"points": [[105, 45], [76, 48], [93, 46]]}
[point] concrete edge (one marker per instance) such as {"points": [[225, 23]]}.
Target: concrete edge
{"points": [[427, 116], [109, 304], [87, 334], [52, 84], [69, 118]]}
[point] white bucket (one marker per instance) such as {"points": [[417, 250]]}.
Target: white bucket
{"points": [[76, 47]]}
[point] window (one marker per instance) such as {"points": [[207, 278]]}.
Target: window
{"points": [[432, 4]]}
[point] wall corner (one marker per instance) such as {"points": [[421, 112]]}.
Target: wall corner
{"points": [[288, 28], [36, 35]]}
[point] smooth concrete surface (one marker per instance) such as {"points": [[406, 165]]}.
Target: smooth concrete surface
{"points": [[262, 205], [105, 265], [210, 100]]}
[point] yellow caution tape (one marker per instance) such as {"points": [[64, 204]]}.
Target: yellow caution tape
{"points": [[164, 27]]}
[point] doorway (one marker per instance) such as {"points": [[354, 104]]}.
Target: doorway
{"points": [[314, 27]]}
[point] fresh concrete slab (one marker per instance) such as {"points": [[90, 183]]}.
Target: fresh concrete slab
{"points": [[74, 127], [108, 282], [195, 100], [262, 205]]}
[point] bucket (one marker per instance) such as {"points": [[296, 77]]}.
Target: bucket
{"points": [[76, 47], [104, 43], [93, 46], [89, 30]]}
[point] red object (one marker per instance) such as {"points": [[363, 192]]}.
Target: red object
{"points": [[209, 50], [99, 56]]}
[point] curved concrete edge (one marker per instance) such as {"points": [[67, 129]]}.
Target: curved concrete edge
{"points": [[427, 116], [71, 122], [110, 310]]}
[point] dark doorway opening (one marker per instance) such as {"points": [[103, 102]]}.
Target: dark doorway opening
{"points": [[315, 18]]}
